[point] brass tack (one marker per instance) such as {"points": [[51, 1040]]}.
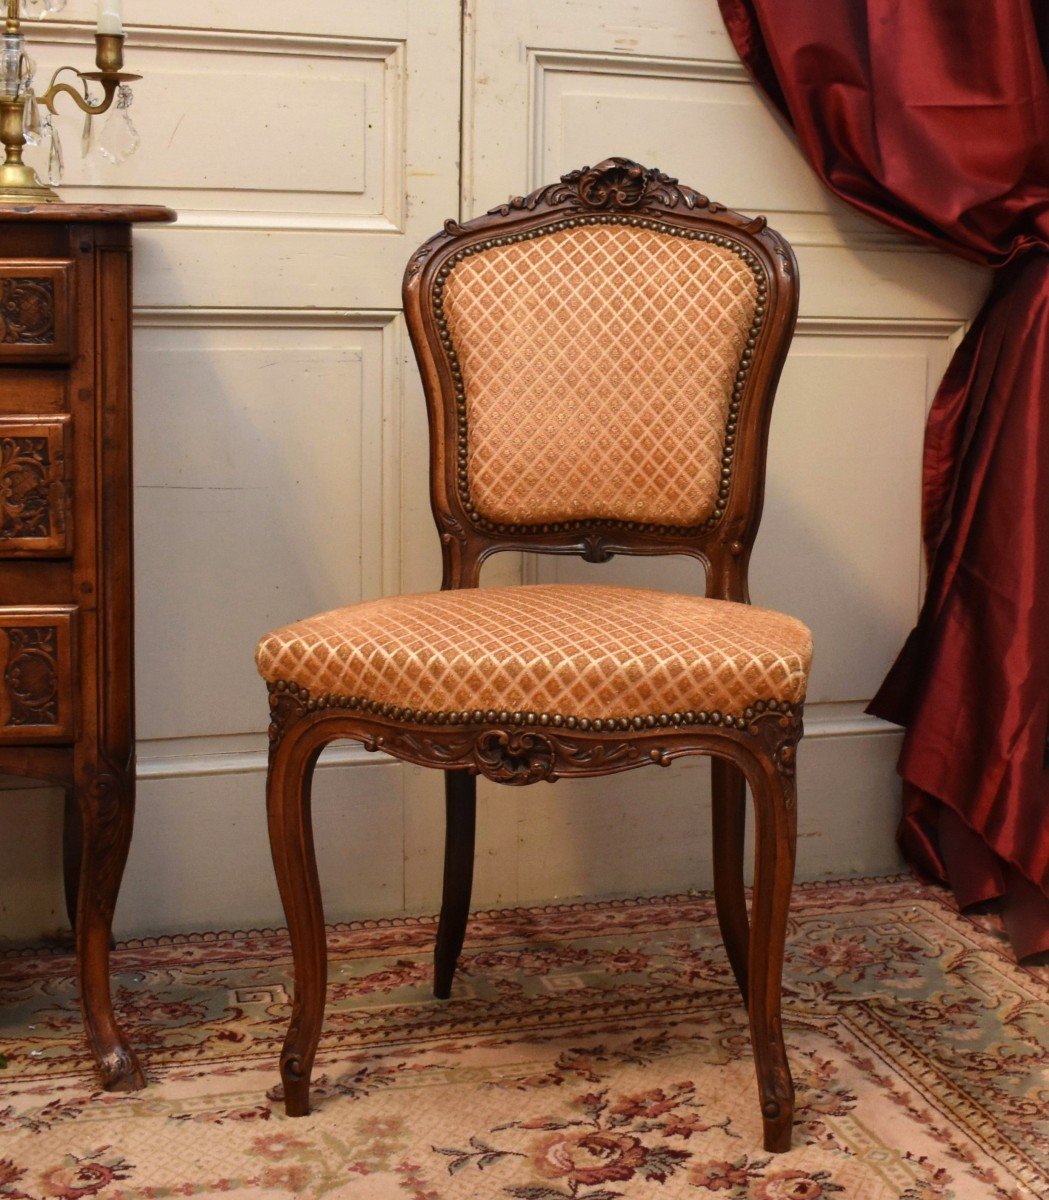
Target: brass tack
{"points": [[571, 722], [558, 721]]}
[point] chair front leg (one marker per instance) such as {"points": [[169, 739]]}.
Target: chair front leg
{"points": [[729, 824], [775, 812], [288, 792], [460, 797]]}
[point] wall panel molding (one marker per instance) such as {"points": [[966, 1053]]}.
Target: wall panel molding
{"points": [[367, 130], [803, 228]]}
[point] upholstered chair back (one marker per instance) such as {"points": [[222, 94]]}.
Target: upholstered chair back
{"points": [[597, 364]]}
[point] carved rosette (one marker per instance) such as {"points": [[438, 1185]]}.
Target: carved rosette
{"points": [[515, 756], [27, 312], [30, 676]]}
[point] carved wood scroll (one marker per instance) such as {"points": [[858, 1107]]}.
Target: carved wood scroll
{"points": [[34, 516], [35, 321], [36, 695]]}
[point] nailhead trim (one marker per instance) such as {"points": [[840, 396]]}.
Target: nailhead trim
{"points": [[738, 387], [422, 716]]}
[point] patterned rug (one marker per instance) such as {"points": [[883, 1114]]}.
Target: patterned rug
{"points": [[588, 1052]]}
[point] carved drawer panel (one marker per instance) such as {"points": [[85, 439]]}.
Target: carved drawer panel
{"points": [[36, 674], [35, 518], [35, 317]]}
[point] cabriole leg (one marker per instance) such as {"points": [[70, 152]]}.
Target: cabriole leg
{"points": [[288, 793], [775, 834], [106, 815]]}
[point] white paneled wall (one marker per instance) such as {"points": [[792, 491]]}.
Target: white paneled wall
{"points": [[281, 438]]}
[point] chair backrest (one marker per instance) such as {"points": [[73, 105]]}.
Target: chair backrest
{"points": [[600, 359]]}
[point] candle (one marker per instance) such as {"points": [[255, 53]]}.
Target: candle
{"points": [[110, 14]]}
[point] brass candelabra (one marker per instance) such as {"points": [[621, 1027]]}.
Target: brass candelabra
{"points": [[19, 183]]}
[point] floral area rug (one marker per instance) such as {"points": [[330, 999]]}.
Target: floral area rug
{"points": [[588, 1052]]}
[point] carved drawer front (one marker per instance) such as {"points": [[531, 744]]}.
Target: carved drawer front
{"points": [[36, 675], [35, 318], [35, 517]]}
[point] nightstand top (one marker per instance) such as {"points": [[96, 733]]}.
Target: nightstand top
{"points": [[124, 214]]}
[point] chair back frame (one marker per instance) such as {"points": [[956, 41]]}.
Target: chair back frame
{"points": [[616, 191]]}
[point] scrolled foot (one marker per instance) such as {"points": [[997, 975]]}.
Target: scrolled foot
{"points": [[296, 1088], [777, 1120], [121, 1071]]}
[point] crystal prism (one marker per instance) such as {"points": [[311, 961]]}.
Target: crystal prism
{"points": [[87, 139], [34, 125], [119, 138], [55, 161]]}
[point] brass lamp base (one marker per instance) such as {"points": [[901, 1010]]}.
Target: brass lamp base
{"points": [[20, 184]]}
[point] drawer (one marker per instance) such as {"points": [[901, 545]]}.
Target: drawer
{"points": [[35, 487], [36, 674], [35, 315]]}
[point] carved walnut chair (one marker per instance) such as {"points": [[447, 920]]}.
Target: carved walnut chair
{"points": [[599, 359]]}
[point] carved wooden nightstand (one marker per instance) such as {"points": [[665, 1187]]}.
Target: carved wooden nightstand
{"points": [[66, 636]]}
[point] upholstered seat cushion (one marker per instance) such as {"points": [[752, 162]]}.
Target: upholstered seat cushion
{"points": [[583, 651]]}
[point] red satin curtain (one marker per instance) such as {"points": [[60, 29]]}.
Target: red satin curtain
{"points": [[933, 116]]}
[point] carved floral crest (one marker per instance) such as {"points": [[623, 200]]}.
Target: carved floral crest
{"points": [[612, 183]]}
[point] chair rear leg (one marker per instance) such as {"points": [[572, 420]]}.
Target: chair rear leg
{"points": [[288, 792], [460, 798], [729, 812], [775, 835]]}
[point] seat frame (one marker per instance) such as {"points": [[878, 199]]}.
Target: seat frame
{"points": [[757, 747]]}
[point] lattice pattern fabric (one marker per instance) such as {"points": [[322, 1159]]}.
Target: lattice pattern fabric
{"points": [[571, 650], [598, 364]]}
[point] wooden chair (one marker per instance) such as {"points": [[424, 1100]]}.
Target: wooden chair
{"points": [[600, 359]]}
